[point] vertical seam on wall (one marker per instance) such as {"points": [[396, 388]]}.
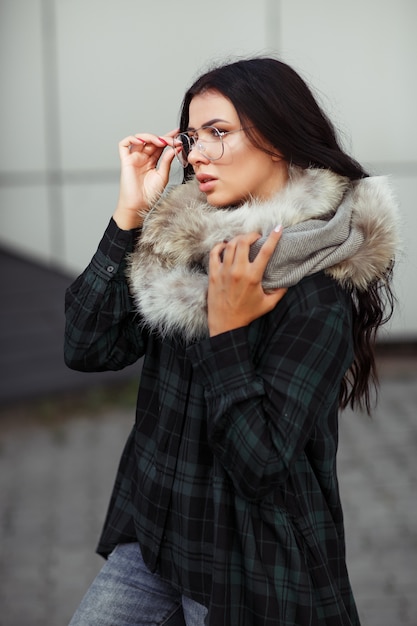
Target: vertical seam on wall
{"points": [[273, 25], [52, 131]]}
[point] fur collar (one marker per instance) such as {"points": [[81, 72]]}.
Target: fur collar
{"points": [[168, 269]]}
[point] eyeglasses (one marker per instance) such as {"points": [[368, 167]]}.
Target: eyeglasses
{"points": [[208, 140]]}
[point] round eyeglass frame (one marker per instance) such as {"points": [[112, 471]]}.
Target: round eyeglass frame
{"points": [[193, 142]]}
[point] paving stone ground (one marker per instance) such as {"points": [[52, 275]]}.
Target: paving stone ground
{"points": [[57, 469]]}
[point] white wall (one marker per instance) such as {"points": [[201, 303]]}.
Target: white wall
{"points": [[78, 75], [360, 56]]}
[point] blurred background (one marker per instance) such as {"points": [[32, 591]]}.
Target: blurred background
{"points": [[79, 75], [76, 76]]}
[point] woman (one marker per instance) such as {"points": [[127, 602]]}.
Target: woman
{"points": [[254, 291]]}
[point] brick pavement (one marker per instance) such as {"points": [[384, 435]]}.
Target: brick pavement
{"points": [[56, 472]]}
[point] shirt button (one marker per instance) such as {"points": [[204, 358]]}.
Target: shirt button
{"points": [[110, 269]]}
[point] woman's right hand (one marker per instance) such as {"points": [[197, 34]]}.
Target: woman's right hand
{"points": [[140, 180]]}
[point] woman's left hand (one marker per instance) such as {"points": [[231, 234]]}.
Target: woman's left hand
{"points": [[235, 294]]}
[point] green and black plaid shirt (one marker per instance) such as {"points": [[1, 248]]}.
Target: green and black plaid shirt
{"points": [[228, 479]]}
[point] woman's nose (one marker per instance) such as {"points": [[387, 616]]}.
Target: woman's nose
{"points": [[196, 156]]}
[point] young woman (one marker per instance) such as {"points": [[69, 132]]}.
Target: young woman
{"points": [[254, 291]]}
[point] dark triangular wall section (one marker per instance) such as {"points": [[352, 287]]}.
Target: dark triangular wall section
{"points": [[32, 331]]}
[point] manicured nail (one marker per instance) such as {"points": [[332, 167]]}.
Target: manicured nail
{"points": [[278, 228], [163, 141]]}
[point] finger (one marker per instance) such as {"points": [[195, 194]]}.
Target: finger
{"points": [[275, 296], [268, 248], [231, 249], [216, 255], [126, 141], [142, 142], [127, 144], [243, 244], [169, 137], [277, 292], [152, 145], [149, 138], [237, 250], [165, 163]]}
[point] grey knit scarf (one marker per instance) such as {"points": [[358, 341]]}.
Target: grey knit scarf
{"points": [[311, 246]]}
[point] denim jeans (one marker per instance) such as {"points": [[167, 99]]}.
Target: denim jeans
{"points": [[126, 593]]}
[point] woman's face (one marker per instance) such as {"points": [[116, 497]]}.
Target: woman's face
{"points": [[243, 171]]}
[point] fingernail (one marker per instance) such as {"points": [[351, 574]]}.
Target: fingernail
{"points": [[278, 228], [163, 140]]}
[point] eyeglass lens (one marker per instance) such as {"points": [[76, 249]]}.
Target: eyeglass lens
{"points": [[208, 141]]}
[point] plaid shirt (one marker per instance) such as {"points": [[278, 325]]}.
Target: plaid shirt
{"points": [[228, 479]]}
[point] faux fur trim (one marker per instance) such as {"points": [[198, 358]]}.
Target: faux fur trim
{"points": [[168, 269]]}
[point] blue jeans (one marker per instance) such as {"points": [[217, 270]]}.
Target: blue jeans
{"points": [[126, 593]]}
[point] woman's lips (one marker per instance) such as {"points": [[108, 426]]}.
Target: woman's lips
{"points": [[206, 182]]}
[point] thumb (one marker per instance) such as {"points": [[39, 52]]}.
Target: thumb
{"points": [[275, 295], [164, 164]]}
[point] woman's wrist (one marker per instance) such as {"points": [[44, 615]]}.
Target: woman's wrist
{"points": [[128, 219]]}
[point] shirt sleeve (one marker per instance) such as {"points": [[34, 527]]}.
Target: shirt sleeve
{"points": [[260, 416], [102, 331]]}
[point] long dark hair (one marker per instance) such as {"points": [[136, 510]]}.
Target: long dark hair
{"points": [[274, 100], [274, 103]]}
